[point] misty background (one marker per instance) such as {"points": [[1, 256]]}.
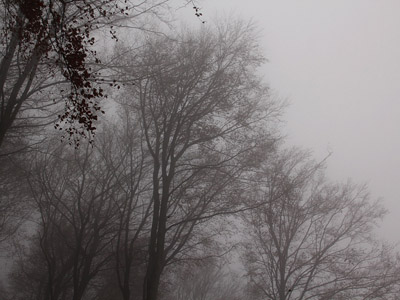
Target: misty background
{"points": [[338, 65], [241, 152]]}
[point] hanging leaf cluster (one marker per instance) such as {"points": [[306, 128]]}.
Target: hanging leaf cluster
{"points": [[59, 33]]}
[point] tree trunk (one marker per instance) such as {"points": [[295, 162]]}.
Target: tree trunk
{"points": [[157, 238]]}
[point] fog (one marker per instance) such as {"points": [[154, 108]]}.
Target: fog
{"points": [[338, 65], [215, 173]]}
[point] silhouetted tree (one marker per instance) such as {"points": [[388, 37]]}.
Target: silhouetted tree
{"points": [[75, 200], [14, 202], [130, 166], [48, 43], [314, 240], [205, 280], [201, 107]]}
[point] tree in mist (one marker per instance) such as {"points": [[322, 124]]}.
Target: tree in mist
{"points": [[75, 201], [44, 44], [313, 240], [130, 165], [201, 108], [14, 202], [205, 280], [193, 144]]}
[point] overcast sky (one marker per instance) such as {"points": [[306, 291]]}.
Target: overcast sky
{"points": [[338, 63]]}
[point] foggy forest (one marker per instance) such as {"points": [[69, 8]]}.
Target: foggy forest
{"points": [[142, 159]]}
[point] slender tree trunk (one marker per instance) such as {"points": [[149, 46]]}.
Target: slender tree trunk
{"points": [[158, 232]]}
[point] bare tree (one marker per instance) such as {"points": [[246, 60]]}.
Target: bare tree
{"points": [[201, 108], [14, 203], [75, 199], [313, 240], [205, 280], [130, 166]]}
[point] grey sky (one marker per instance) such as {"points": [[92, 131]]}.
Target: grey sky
{"points": [[338, 63]]}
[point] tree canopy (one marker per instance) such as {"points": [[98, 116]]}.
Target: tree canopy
{"points": [[187, 190]]}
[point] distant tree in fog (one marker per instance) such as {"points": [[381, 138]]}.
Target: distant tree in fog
{"points": [[205, 280], [314, 240], [14, 202], [74, 201], [130, 165]]}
